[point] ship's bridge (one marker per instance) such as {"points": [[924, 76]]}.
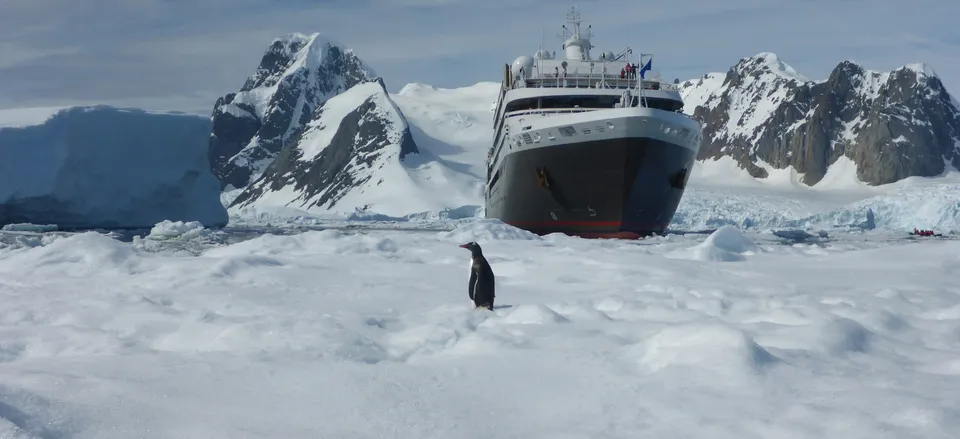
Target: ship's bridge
{"points": [[612, 72], [577, 68]]}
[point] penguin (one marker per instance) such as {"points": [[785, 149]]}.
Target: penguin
{"points": [[481, 284]]}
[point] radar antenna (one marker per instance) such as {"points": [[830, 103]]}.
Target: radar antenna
{"points": [[576, 42], [573, 19]]}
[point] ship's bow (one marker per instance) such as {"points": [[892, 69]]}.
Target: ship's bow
{"points": [[625, 183]]}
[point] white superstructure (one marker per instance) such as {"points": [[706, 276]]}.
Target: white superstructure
{"points": [[549, 100]]}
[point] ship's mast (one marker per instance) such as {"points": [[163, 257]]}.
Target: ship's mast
{"points": [[573, 18], [576, 45]]}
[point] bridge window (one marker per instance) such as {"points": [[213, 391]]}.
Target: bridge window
{"points": [[663, 104], [522, 104]]}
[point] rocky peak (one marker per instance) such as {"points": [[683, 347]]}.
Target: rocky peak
{"points": [[339, 160], [891, 124], [766, 65], [296, 75]]}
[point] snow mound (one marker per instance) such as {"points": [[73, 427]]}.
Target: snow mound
{"points": [[450, 332], [726, 244], [328, 242], [78, 255], [488, 230], [712, 350], [19, 240], [357, 243], [105, 167], [533, 315], [842, 335]]}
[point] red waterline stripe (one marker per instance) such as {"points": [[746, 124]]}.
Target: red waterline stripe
{"points": [[579, 224]]}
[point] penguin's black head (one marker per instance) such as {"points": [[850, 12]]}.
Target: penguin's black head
{"points": [[472, 246]]}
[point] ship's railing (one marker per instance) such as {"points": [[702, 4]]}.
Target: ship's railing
{"points": [[548, 111], [591, 81]]}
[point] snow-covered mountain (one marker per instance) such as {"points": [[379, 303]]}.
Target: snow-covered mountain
{"points": [[296, 75], [357, 153], [764, 114], [90, 167]]}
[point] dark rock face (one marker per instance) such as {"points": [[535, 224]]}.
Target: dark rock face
{"points": [[892, 125], [296, 75], [363, 140]]}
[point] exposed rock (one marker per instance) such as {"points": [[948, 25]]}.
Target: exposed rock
{"points": [[892, 125]]}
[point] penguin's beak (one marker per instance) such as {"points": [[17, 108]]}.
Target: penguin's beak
{"points": [[463, 246]]}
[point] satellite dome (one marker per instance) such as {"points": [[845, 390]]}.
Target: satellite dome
{"points": [[544, 54], [524, 62], [608, 55]]}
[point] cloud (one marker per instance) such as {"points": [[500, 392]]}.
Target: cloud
{"points": [[183, 54]]}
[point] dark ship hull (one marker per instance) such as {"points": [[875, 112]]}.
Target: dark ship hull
{"points": [[615, 188]]}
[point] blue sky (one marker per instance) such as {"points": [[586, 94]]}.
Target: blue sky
{"points": [[183, 54]]}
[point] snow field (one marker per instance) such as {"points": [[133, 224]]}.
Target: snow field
{"points": [[371, 335]]}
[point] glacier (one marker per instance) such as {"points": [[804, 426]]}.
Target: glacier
{"points": [[108, 167]]}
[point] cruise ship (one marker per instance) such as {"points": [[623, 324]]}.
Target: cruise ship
{"points": [[587, 145]]}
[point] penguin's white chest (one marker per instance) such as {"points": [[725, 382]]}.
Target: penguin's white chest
{"points": [[470, 273]]}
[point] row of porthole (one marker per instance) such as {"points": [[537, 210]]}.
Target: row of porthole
{"points": [[538, 137], [679, 132]]}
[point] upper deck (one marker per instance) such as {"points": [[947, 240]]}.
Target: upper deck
{"points": [[576, 71], [598, 80]]}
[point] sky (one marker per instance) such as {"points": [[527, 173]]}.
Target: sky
{"points": [[183, 54]]}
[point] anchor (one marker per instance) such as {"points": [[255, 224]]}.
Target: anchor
{"points": [[543, 181]]}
